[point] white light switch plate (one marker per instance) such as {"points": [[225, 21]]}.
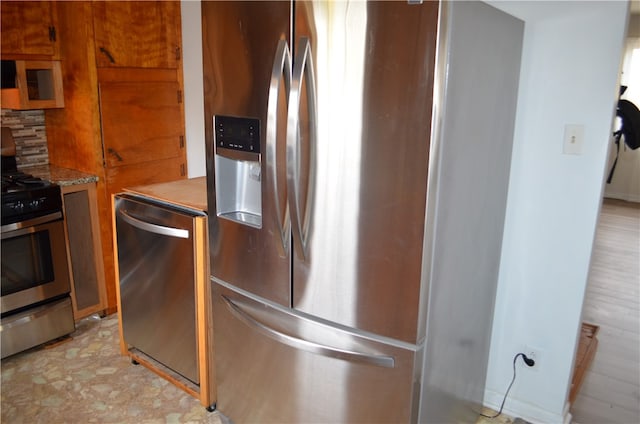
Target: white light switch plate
{"points": [[573, 139]]}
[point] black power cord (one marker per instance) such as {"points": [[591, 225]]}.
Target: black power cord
{"points": [[530, 362]]}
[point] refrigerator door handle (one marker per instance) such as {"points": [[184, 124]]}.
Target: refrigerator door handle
{"points": [[281, 68], [301, 219], [154, 228], [306, 345]]}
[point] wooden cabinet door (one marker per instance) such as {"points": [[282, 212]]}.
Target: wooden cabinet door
{"points": [[137, 34], [141, 121], [28, 29]]}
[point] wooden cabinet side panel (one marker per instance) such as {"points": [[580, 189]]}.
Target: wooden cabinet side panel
{"points": [[73, 133], [26, 29], [107, 234], [121, 40]]}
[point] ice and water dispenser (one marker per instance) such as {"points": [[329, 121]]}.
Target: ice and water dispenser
{"points": [[238, 169]]}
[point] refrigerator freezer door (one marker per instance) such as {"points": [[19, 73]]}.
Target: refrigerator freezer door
{"points": [[363, 225], [246, 75], [269, 355]]}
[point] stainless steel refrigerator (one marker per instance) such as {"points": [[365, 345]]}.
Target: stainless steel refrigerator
{"points": [[358, 158]]}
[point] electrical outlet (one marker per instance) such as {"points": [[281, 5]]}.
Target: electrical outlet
{"points": [[532, 353]]}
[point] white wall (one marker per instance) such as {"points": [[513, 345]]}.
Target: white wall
{"points": [[193, 89], [569, 75]]}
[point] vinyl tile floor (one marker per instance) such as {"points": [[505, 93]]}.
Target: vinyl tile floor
{"points": [[85, 379]]}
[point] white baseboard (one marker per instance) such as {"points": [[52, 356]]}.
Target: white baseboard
{"points": [[516, 408], [623, 196]]}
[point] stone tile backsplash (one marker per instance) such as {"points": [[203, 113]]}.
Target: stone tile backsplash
{"points": [[29, 133]]}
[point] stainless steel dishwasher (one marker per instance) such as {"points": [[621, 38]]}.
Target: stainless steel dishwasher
{"points": [[155, 245]]}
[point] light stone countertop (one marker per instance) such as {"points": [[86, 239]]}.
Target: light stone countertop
{"points": [[60, 176]]}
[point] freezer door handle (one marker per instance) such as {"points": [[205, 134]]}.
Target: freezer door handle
{"points": [[281, 68], [301, 218], [153, 228], [306, 345]]}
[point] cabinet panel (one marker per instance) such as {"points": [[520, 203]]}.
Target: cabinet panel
{"points": [[141, 121], [27, 28], [73, 133], [145, 173], [143, 34]]}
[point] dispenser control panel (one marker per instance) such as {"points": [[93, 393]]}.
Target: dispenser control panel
{"points": [[238, 133]]}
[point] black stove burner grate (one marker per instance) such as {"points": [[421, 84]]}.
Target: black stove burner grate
{"points": [[19, 181], [25, 197]]}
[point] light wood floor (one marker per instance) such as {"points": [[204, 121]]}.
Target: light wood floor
{"points": [[610, 392]]}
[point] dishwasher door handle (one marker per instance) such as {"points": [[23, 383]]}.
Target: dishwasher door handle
{"points": [[154, 228]]}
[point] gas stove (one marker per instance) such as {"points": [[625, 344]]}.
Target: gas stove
{"points": [[26, 197], [35, 305]]}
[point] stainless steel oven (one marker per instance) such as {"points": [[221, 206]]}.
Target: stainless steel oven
{"points": [[34, 262], [35, 304]]}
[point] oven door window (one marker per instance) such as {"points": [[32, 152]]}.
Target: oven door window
{"points": [[26, 262]]}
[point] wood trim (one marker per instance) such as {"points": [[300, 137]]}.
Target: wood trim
{"points": [[116, 269], [587, 346], [180, 78], [164, 372], [208, 393]]}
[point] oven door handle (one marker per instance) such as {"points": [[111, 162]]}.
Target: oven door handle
{"points": [[32, 222], [154, 228]]}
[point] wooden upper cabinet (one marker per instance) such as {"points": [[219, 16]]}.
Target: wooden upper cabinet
{"points": [[28, 30], [141, 121], [137, 34]]}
